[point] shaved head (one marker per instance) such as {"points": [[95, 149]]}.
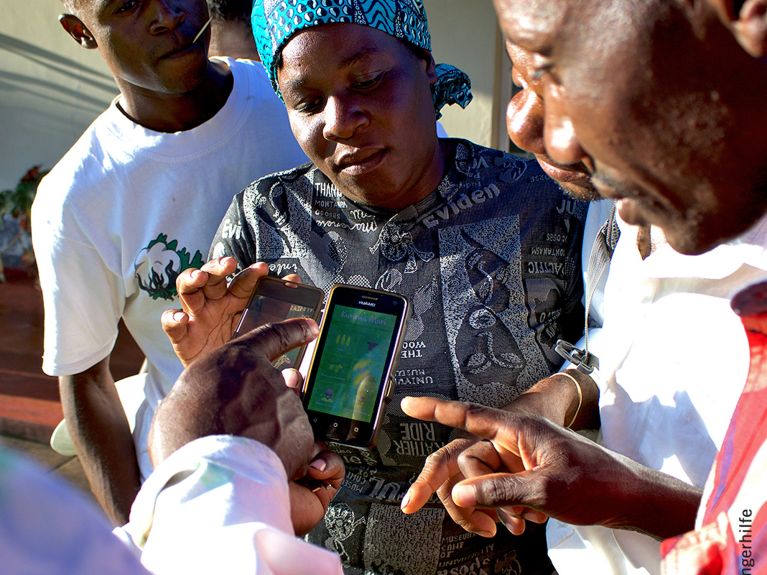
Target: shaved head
{"points": [[71, 6]]}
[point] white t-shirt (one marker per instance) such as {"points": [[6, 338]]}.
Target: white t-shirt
{"points": [[127, 209], [673, 361]]}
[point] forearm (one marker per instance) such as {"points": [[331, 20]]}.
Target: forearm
{"points": [[654, 503], [102, 438], [557, 399]]}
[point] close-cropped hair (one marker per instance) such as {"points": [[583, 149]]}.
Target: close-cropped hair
{"points": [[230, 10]]}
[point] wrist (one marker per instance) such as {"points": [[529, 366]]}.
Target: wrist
{"points": [[568, 397], [655, 503], [550, 398], [574, 409], [583, 408]]}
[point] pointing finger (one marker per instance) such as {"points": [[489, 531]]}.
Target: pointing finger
{"points": [[273, 340], [484, 422]]}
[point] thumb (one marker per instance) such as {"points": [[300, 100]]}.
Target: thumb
{"points": [[273, 340], [500, 490]]}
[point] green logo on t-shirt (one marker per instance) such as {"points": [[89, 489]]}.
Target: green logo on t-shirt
{"points": [[158, 265]]}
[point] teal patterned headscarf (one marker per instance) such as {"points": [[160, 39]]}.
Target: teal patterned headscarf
{"points": [[275, 22]]}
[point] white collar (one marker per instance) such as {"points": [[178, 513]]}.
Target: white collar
{"points": [[750, 248]]}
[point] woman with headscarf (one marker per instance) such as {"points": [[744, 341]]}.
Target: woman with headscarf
{"points": [[484, 244]]}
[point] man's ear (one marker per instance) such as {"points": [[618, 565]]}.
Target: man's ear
{"points": [[75, 28], [750, 27]]}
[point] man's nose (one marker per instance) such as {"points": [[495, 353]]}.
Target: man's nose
{"points": [[561, 141], [165, 15], [525, 121]]}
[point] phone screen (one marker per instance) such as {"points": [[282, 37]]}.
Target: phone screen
{"points": [[352, 365], [263, 310], [275, 300], [348, 383]]}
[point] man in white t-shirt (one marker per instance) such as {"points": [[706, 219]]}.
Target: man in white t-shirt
{"points": [[136, 201]]}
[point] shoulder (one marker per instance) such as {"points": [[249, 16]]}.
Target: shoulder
{"points": [[513, 184], [263, 119], [271, 191], [489, 164], [250, 68], [252, 78], [295, 180], [85, 167], [520, 180]]}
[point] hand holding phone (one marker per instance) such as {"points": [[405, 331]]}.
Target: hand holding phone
{"points": [[349, 380]]}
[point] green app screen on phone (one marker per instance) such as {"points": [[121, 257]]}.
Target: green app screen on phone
{"points": [[352, 364]]}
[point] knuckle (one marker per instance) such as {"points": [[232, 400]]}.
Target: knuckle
{"points": [[210, 264], [269, 338], [546, 488], [448, 453], [497, 492], [473, 451], [444, 492], [436, 459], [475, 411]]}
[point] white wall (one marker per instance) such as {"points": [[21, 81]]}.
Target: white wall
{"points": [[465, 34], [51, 88]]}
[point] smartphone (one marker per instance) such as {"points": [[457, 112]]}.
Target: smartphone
{"points": [[349, 380], [274, 300]]}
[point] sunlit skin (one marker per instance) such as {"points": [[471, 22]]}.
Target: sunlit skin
{"points": [[525, 125], [360, 106], [665, 107], [166, 81], [167, 84], [663, 103]]}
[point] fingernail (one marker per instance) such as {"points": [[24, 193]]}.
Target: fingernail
{"points": [[406, 499], [291, 377], [319, 464], [463, 495], [178, 316]]}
